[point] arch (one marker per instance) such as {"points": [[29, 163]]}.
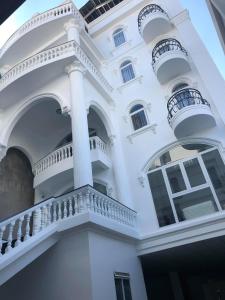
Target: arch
{"points": [[22, 109], [103, 116], [158, 153], [178, 80]]}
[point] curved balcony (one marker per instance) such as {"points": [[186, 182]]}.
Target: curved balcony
{"points": [[61, 160], [169, 60], [34, 30], [56, 58], [188, 113], [152, 22]]}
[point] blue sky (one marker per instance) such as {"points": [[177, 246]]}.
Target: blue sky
{"points": [[198, 11]]}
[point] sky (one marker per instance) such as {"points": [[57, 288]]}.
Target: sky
{"points": [[197, 8]]}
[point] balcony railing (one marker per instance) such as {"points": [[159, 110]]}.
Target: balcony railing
{"points": [[151, 8], [24, 226], [48, 56], [165, 46], [65, 153], [47, 16], [184, 98]]}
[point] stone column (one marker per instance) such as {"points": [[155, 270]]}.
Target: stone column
{"points": [[72, 28], [121, 177], [82, 168]]}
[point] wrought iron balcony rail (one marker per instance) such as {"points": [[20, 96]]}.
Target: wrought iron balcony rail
{"points": [[151, 8], [166, 46], [184, 98]]}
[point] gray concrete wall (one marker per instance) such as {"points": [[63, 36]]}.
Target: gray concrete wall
{"points": [[80, 267], [16, 183]]}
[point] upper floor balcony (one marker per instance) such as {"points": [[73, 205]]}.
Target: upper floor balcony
{"points": [[32, 34], [188, 112], [169, 60], [56, 59], [152, 22], [61, 161]]}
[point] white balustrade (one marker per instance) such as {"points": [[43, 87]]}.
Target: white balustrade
{"points": [[45, 57], [40, 19], [22, 227], [64, 153]]}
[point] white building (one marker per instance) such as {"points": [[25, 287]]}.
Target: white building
{"points": [[113, 125], [217, 11]]}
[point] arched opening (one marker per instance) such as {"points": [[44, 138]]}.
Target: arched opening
{"points": [[38, 132], [187, 181], [16, 183]]}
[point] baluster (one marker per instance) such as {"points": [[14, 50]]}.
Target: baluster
{"points": [[70, 207], [42, 217], [10, 237], [54, 212], [19, 231], [36, 221], [27, 227], [59, 210], [65, 209], [75, 205], [2, 229]]}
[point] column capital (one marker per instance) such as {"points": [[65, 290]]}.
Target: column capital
{"points": [[73, 23], [76, 66], [112, 139]]}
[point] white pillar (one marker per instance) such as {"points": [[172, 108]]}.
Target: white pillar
{"points": [[121, 177], [72, 28], [82, 168]]}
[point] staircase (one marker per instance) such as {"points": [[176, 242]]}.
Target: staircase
{"points": [[28, 234]]}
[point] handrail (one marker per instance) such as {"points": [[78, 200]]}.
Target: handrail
{"points": [[148, 9], [184, 98], [164, 46], [47, 56], [23, 226], [39, 19]]}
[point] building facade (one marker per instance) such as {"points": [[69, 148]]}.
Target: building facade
{"points": [[217, 11], [112, 156]]}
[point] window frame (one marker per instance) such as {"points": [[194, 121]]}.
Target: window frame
{"points": [[189, 189], [117, 32], [136, 112], [122, 276], [122, 66]]}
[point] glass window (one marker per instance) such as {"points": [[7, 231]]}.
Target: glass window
{"points": [[122, 284], [127, 71], [216, 170], [176, 179], [161, 198], [138, 116], [118, 37], [194, 172], [194, 205]]}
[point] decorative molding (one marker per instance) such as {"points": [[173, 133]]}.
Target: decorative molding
{"points": [[134, 80], [180, 18], [142, 180], [3, 150], [112, 139], [75, 66], [148, 127], [66, 111]]}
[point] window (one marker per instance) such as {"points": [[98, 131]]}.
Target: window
{"points": [[122, 284], [127, 71], [138, 116], [187, 182], [119, 37]]}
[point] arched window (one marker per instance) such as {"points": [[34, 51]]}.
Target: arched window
{"points": [[187, 182], [138, 116], [179, 86], [119, 37], [127, 71]]}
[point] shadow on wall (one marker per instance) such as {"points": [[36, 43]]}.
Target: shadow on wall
{"points": [[16, 183]]}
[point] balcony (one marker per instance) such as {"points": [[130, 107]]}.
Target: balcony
{"points": [[61, 161], [169, 60], [152, 22], [188, 113]]}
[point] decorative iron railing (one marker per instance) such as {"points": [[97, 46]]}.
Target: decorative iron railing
{"points": [[184, 98], [23, 226], [149, 9], [166, 46]]}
